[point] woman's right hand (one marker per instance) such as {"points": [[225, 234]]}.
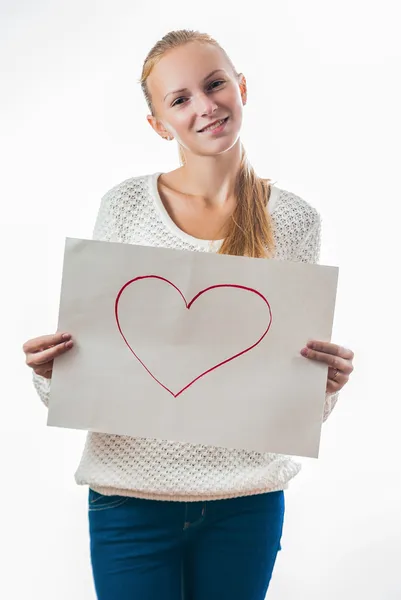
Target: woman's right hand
{"points": [[40, 352]]}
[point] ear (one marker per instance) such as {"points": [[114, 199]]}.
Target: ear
{"points": [[243, 88], [158, 127]]}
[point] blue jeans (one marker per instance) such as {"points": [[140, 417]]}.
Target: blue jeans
{"points": [[165, 550]]}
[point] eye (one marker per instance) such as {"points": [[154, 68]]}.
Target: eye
{"points": [[176, 102], [218, 81]]}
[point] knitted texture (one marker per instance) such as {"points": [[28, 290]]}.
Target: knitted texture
{"points": [[132, 212]]}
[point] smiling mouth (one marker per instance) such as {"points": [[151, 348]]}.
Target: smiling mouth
{"points": [[213, 125]]}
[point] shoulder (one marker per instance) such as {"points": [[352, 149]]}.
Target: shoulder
{"points": [[120, 206], [296, 225], [291, 211], [130, 188]]}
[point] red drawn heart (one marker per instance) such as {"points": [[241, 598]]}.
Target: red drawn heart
{"points": [[188, 306]]}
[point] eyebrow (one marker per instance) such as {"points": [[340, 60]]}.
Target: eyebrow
{"points": [[185, 89]]}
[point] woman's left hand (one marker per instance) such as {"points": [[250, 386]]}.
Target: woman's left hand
{"points": [[338, 359]]}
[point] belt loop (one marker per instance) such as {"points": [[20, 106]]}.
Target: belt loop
{"points": [[186, 522]]}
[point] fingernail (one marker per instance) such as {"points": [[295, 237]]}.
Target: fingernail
{"points": [[66, 336], [69, 344], [304, 351]]}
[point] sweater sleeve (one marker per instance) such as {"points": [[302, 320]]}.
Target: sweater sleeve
{"points": [[42, 387], [309, 252], [104, 230]]}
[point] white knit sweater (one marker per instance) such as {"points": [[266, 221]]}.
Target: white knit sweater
{"points": [[132, 212]]}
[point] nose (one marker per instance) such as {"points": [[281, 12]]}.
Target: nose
{"points": [[204, 105]]}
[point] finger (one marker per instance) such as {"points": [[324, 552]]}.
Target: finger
{"points": [[330, 348], [337, 376], [333, 373], [332, 386], [40, 358], [45, 370], [330, 359], [45, 341]]}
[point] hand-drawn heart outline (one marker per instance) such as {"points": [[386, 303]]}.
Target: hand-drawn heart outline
{"points": [[188, 306]]}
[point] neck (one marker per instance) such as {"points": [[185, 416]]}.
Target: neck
{"points": [[212, 177]]}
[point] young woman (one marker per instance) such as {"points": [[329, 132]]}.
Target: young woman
{"points": [[174, 520]]}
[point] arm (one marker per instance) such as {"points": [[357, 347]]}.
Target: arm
{"points": [[103, 231], [309, 252]]}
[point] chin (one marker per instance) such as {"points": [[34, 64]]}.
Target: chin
{"points": [[212, 146], [218, 145], [223, 145]]}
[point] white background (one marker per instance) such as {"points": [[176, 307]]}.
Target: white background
{"points": [[322, 120]]}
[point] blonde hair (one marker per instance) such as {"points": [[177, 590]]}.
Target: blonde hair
{"points": [[250, 232]]}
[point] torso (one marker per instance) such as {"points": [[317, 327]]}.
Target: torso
{"points": [[164, 470]]}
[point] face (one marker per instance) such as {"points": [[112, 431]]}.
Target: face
{"points": [[191, 87]]}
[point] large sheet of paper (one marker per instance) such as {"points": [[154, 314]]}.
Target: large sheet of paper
{"points": [[192, 346]]}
